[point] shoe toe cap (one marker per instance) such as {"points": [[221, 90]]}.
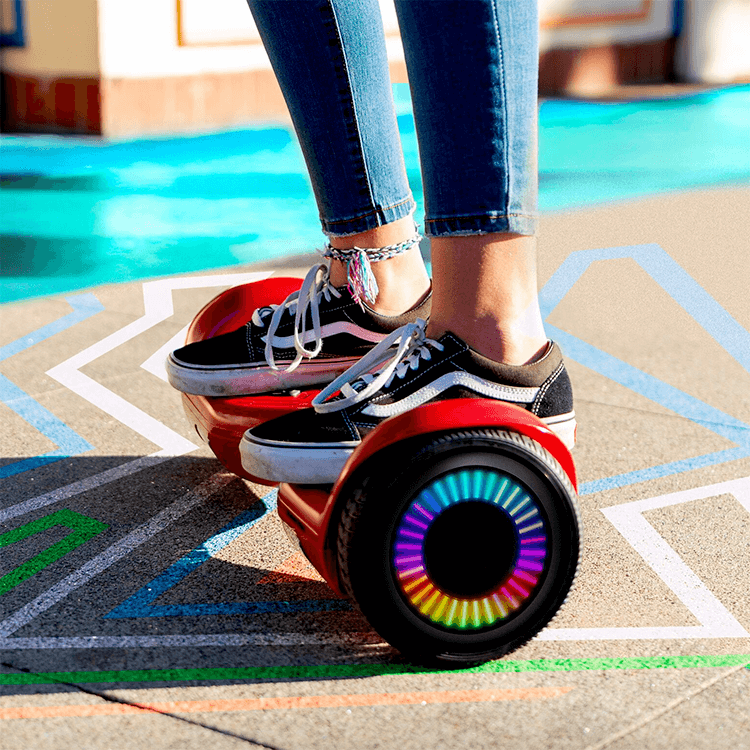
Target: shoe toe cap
{"points": [[226, 349]]}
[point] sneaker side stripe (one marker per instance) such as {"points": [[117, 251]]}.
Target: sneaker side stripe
{"points": [[564, 426], [451, 380], [330, 329]]}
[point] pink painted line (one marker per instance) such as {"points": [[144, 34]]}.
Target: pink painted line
{"points": [[287, 702]]}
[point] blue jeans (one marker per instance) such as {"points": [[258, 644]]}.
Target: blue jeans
{"points": [[472, 68]]}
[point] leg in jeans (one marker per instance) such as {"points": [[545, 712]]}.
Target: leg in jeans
{"points": [[472, 68], [329, 58], [473, 73], [330, 61]]}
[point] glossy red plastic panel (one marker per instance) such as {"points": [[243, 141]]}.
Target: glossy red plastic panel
{"points": [[233, 307], [221, 422], [457, 414], [309, 512]]}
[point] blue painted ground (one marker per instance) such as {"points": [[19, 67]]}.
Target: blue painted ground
{"points": [[77, 212]]}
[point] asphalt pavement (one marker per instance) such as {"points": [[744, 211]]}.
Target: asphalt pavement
{"points": [[140, 582]]}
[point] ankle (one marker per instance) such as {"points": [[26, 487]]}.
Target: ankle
{"points": [[386, 234], [500, 344], [485, 291], [402, 280]]}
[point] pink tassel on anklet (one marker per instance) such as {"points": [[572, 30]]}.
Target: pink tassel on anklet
{"points": [[361, 281]]}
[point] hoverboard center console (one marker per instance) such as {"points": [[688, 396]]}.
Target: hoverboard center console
{"points": [[453, 527]]}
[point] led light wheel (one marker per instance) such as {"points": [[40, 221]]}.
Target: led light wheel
{"points": [[465, 550]]}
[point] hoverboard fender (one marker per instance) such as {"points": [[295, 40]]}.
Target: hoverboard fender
{"points": [[312, 513]]}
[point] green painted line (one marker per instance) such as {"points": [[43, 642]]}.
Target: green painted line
{"points": [[82, 529], [338, 671]]}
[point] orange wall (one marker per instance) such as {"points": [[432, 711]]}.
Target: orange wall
{"points": [[61, 39]]}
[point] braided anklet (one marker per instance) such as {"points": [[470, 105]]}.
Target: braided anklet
{"points": [[360, 279]]}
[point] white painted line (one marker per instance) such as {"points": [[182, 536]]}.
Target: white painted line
{"points": [[669, 566], [112, 554], [123, 411], [668, 633], [743, 495], [714, 618], [83, 485], [156, 363], [736, 487], [158, 306]]}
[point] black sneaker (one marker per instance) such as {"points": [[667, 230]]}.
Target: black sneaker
{"points": [[270, 352], [311, 446]]}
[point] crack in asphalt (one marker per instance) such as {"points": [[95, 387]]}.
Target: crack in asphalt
{"points": [[113, 699], [607, 741]]}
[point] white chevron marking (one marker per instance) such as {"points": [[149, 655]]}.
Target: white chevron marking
{"points": [[158, 306]]}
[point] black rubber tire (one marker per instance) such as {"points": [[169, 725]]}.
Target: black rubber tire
{"points": [[378, 494]]}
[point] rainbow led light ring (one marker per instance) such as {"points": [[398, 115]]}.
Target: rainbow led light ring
{"points": [[407, 553]]}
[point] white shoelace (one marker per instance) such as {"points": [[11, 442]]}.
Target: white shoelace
{"points": [[316, 285], [359, 382]]}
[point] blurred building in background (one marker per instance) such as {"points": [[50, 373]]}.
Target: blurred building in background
{"points": [[121, 68]]}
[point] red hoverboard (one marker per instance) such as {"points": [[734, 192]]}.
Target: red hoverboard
{"points": [[453, 527]]}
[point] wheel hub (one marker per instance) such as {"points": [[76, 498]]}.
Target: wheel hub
{"points": [[470, 549]]}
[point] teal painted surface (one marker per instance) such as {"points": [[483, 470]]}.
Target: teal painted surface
{"points": [[597, 153], [77, 212]]}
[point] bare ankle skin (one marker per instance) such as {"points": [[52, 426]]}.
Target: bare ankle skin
{"points": [[485, 291], [402, 280]]}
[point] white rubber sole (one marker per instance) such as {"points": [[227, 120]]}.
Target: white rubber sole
{"points": [[297, 464], [564, 426], [246, 381], [302, 463]]}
